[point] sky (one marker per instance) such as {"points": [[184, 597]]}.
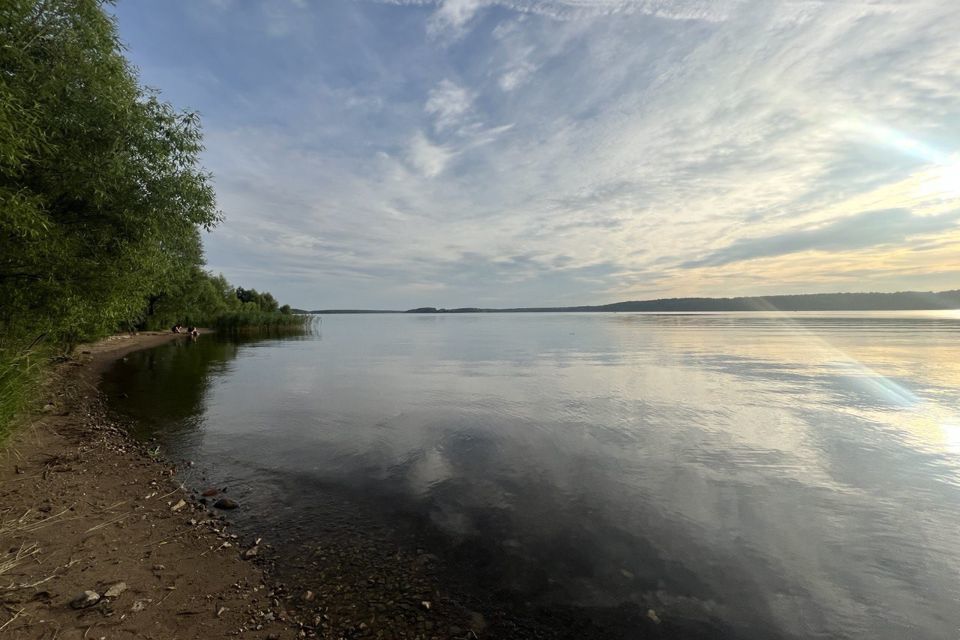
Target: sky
{"points": [[496, 153]]}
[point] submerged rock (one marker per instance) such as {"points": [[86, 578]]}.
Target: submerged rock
{"points": [[225, 503]]}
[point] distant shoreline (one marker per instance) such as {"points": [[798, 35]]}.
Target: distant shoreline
{"points": [[898, 301]]}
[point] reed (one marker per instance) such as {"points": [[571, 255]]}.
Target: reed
{"points": [[259, 322]]}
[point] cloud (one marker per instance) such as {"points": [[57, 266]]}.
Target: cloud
{"points": [[448, 103], [516, 75], [362, 161], [428, 158], [868, 229], [452, 16]]}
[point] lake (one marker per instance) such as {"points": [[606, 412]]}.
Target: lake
{"points": [[750, 475]]}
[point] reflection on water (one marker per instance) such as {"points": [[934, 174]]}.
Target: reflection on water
{"points": [[790, 476]]}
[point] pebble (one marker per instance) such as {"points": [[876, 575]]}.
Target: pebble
{"points": [[477, 621], [115, 590], [85, 599]]}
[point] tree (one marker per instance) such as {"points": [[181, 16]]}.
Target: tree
{"points": [[102, 197]]}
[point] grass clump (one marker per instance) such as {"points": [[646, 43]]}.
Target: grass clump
{"points": [[21, 372]]}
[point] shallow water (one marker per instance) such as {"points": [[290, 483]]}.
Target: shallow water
{"points": [[779, 475]]}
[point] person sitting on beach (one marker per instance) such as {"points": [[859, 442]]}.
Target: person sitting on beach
{"points": [[176, 329], [193, 331]]}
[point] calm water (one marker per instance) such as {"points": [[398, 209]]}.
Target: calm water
{"points": [[791, 476]]}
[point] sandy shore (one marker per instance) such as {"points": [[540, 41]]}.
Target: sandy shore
{"points": [[83, 508]]}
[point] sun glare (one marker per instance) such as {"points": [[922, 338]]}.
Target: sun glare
{"points": [[944, 180], [951, 436]]}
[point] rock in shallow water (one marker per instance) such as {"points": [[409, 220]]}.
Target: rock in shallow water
{"points": [[225, 503]]}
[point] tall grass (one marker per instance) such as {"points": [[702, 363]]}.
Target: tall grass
{"points": [[21, 371]]}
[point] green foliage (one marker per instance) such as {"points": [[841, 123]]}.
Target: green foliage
{"points": [[263, 301], [101, 191], [202, 299], [102, 197], [191, 298]]}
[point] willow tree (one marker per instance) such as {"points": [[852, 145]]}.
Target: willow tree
{"points": [[102, 196]]}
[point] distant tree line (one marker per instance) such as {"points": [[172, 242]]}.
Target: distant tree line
{"points": [[102, 196], [899, 301], [904, 300]]}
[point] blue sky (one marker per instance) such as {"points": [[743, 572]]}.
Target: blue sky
{"points": [[531, 152]]}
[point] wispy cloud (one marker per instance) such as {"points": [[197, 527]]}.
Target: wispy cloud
{"points": [[868, 229], [532, 152], [448, 103], [516, 74], [452, 17], [428, 158]]}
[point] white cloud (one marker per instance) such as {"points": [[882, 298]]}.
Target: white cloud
{"points": [[452, 16], [516, 75], [426, 157], [448, 103]]}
